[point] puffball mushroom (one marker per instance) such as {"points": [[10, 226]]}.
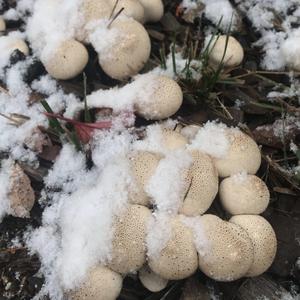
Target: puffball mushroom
{"points": [[101, 284], [132, 9], [229, 254], [154, 10], [128, 245], [151, 281], [128, 54], [67, 61], [243, 155], [13, 43], [21, 195], [244, 194], [163, 100], [203, 187], [173, 140], [178, 259], [143, 165], [2, 24], [263, 239], [95, 10], [233, 50]]}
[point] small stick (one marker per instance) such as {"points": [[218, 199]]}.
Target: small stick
{"points": [[118, 13], [113, 10]]}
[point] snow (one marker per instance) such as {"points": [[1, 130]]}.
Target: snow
{"points": [[240, 178], [4, 182]]}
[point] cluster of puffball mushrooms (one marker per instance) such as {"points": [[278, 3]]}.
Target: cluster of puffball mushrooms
{"points": [[243, 246]]}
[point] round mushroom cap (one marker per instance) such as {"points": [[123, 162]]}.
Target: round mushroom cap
{"points": [[164, 100], [243, 155], [13, 43], [264, 241], [173, 140], [21, 195], [203, 187], [67, 61], [244, 194], [96, 10], [154, 10], [229, 253], [132, 9], [290, 50], [128, 245], [2, 24], [128, 54], [178, 259], [101, 284], [234, 52], [151, 281], [143, 165]]}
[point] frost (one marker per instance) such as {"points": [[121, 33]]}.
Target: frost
{"points": [[4, 182]]}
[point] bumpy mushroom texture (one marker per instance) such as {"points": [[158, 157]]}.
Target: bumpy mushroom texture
{"points": [[243, 155], [151, 281], [132, 8], [129, 53], [2, 24], [164, 100], [244, 194], [67, 61], [101, 284], [264, 241], [233, 50], [173, 140], [230, 251], [21, 195], [203, 186], [128, 245], [93, 10], [142, 165], [179, 257], [13, 43], [154, 10]]}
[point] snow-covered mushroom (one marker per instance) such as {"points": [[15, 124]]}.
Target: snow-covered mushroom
{"points": [[128, 54], [152, 281], [2, 24], [67, 61], [178, 259], [233, 50], [203, 187], [10, 43], [290, 50], [143, 165], [229, 252], [264, 241], [101, 284], [190, 131], [128, 245], [154, 10], [163, 100], [173, 140], [244, 194], [243, 155], [21, 195], [132, 8], [93, 10]]}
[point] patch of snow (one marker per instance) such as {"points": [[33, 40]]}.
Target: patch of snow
{"points": [[5, 183]]}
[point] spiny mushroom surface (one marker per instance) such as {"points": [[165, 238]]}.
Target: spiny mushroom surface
{"points": [[151, 281], [128, 54], [154, 10], [128, 246], [67, 61], [244, 194], [21, 195], [228, 47], [101, 284], [178, 259], [143, 165], [132, 8], [2, 24], [264, 241], [164, 100], [203, 186], [243, 155], [229, 253]]}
